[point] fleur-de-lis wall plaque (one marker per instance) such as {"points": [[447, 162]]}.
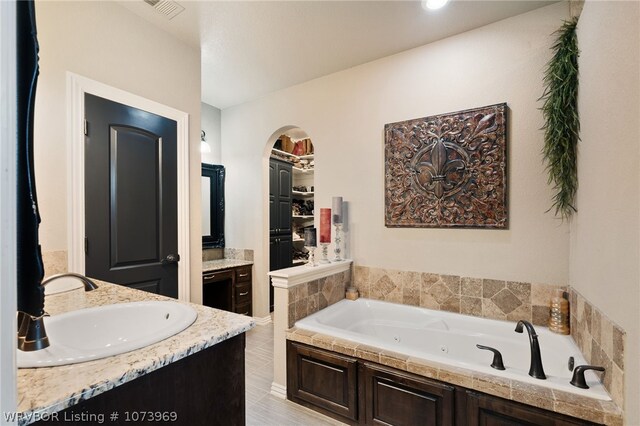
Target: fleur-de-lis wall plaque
{"points": [[448, 170]]}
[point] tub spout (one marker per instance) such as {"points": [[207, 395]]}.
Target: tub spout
{"points": [[535, 369]]}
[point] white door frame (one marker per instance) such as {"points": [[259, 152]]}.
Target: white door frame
{"points": [[77, 87], [8, 205]]}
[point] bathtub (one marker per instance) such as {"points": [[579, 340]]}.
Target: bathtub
{"points": [[451, 339]]}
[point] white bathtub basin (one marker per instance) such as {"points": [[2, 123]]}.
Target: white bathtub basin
{"points": [[451, 339], [88, 334]]}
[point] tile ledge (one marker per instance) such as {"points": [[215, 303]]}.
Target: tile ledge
{"points": [[291, 277]]}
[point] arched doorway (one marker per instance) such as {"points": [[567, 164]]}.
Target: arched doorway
{"points": [[291, 199]]}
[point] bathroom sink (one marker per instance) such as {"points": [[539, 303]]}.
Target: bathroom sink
{"points": [[94, 333]]}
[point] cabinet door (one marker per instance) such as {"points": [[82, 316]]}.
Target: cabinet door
{"points": [[284, 250], [489, 410], [322, 380], [284, 199], [397, 398]]}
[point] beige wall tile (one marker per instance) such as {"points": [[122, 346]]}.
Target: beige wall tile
{"points": [[540, 315], [471, 287], [618, 346], [541, 294], [471, 306], [490, 310], [506, 301], [491, 287], [521, 290]]}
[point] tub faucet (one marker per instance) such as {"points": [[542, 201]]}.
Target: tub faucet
{"points": [[31, 333], [535, 370]]}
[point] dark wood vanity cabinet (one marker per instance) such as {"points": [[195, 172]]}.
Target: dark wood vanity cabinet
{"points": [[242, 293], [194, 390], [228, 289], [359, 392]]}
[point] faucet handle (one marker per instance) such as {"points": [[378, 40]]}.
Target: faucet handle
{"points": [[578, 379], [497, 357]]}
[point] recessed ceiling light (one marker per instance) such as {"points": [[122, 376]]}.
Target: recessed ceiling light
{"points": [[434, 4]]}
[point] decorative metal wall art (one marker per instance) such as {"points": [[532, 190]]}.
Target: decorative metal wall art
{"points": [[448, 170]]}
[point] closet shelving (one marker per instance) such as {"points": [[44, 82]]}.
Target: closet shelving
{"points": [[302, 174]]}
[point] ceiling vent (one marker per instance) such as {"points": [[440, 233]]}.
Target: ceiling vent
{"points": [[167, 8]]}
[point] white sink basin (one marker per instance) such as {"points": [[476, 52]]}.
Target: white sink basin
{"points": [[94, 333]]}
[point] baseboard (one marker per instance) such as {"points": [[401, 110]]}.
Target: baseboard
{"points": [[263, 321], [278, 390]]}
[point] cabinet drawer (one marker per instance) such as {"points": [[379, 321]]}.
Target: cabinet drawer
{"points": [[215, 276], [243, 293], [244, 309], [243, 274]]}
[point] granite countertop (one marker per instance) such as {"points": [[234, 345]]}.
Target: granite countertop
{"points": [[219, 264], [594, 410], [51, 389]]}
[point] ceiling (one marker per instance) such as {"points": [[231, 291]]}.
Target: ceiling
{"points": [[251, 48]]}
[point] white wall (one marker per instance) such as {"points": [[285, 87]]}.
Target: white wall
{"points": [[105, 42], [8, 326], [605, 233], [211, 123], [344, 114]]}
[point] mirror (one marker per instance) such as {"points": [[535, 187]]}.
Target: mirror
{"points": [[212, 206]]}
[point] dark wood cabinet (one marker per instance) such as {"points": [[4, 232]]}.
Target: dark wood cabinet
{"points": [[228, 289], [355, 391], [279, 197], [242, 291], [323, 380], [280, 240], [486, 410], [196, 390], [392, 397]]}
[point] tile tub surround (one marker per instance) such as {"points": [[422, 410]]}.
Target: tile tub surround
{"points": [[487, 298], [310, 297], [604, 412], [601, 341], [48, 390], [217, 265], [298, 292]]}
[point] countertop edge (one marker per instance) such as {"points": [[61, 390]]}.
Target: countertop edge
{"points": [[220, 264]]}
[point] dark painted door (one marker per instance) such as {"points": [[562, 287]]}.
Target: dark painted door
{"points": [[131, 197]]}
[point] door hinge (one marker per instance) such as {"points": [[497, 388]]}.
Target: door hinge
{"points": [[86, 128], [86, 245]]}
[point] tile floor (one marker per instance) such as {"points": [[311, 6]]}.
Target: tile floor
{"points": [[263, 408]]}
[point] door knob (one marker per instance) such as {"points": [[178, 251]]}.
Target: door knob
{"points": [[171, 258]]}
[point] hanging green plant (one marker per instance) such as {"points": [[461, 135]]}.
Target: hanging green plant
{"points": [[562, 122]]}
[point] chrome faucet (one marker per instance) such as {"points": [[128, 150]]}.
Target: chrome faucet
{"points": [[535, 370], [31, 333]]}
